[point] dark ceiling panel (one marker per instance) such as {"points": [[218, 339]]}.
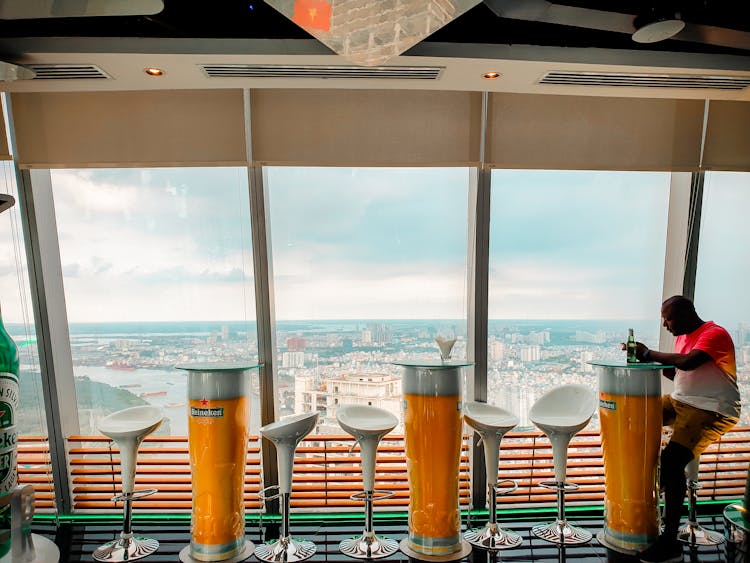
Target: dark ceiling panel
{"points": [[254, 19]]}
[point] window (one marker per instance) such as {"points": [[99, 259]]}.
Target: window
{"points": [[369, 266], [18, 319], [157, 268], [724, 266], [576, 258]]}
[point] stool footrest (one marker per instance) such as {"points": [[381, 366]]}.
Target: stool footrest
{"points": [[506, 490], [263, 494], [135, 495], [565, 485], [376, 495]]}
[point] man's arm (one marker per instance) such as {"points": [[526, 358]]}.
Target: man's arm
{"points": [[685, 362]]}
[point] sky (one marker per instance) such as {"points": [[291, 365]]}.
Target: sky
{"points": [[174, 244], [721, 286]]}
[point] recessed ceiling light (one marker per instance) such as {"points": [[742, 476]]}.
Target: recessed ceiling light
{"points": [[153, 71], [491, 75]]}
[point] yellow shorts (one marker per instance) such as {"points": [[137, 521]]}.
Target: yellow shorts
{"points": [[694, 428]]}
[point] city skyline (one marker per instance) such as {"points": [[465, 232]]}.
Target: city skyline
{"points": [[130, 363]]}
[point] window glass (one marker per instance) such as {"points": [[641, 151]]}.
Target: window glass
{"points": [[724, 266], [369, 267], [157, 268], [18, 319], [576, 258]]}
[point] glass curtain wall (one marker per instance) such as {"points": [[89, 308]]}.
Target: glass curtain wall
{"points": [[18, 319], [369, 267], [724, 266], [576, 258], [157, 269]]}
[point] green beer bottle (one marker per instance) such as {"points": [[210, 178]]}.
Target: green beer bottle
{"points": [[631, 347], [8, 430]]}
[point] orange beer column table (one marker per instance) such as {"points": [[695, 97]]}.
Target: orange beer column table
{"points": [[432, 432], [218, 430], [631, 422]]}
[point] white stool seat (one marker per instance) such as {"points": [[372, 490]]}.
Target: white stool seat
{"points": [[368, 425], [291, 429], [691, 471], [127, 428], [565, 409], [285, 435], [488, 418], [365, 420], [135, 422], [561, 413], [491, 423]]}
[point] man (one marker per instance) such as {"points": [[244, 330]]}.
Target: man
{"points": [[704, 405]]}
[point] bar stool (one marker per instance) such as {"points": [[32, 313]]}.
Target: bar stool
{"points": [[492, 423], [285, 435], [127, 428], [368, 425], [691, 532], [561, 413]]}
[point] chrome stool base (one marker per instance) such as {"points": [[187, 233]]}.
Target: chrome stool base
{"points": [[693, 533], [126, 549], [368, 546], [491, 538], [285, 549], [560, 532]]}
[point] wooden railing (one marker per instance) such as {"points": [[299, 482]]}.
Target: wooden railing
{"points": [[35, 468], [326, 473]]}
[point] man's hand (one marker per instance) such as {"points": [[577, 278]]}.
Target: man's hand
{"points": [[641, 351]]}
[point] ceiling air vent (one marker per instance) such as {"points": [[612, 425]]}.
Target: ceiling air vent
{"points": [[646, 80], [316, 71], [66, 72]]}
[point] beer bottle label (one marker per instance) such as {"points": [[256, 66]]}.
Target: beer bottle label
{"points": [[8, 432]]}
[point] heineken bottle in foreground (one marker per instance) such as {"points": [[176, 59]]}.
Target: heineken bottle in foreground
{"points": [[8, 430]]}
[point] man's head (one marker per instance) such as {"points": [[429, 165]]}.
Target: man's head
{"points": [[679, 316]]}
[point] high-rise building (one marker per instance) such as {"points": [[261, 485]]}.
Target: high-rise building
{"points": [[295, 344], [496, 350], [293, 359], [381, 333], [584, 358], [380, 390], [531, 353]]}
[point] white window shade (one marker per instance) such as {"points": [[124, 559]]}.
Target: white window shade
{"points": [[594, 133], [366, 127], [155, 128]]}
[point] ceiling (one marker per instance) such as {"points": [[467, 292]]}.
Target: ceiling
{"points": [[188, 34], [254, 19]]}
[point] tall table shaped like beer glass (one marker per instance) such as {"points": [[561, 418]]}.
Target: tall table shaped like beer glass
{"points": [[631, 421], [433, 432], [218, 430]]}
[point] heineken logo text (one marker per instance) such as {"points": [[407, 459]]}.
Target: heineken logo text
{"points": [[609, 405], [207, 413]]}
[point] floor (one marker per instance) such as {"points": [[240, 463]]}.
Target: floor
{"points": [[78, 541]]}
